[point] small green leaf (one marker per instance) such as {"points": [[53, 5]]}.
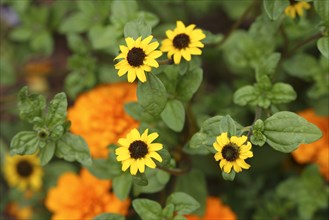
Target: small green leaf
{"points": [[136, 29], [43, 42], [157, 180], [244, 95], [274, 8], [257, 137], [25, 142], [20, 34], [105, 169], [140, 179], [179, 217], [122, 185], [302, 65], [286, 130], [150, 18], [46, 153], [228, 176], [323, 46], [71, 147], [173, 115], [57, 110], [102, 37], [152, 95], [147, 209], [189, 84], [322, 8], [282, 93], [123, 11], [30, 105], [184, 203], [165, 155], [77, 43], [168, 211], [227, 124], [76, 23], [109, 216], [268, 65]]}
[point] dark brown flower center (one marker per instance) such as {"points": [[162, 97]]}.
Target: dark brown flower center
{"points": [[24, 168], [138, 149], [181, 41], [230, 152], [136, 57]]}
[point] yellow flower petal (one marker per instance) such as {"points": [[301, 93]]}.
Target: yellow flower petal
{"points": [[236, 167], [141, 75], [131, 75], [149, 162], [126, 164], [242, 164], [151, 47], [170, 34], [151, 137], [155, 156], [228, 167], [155, 147], [130, 42], [223, 140], [177, 57], [135, 134], [218, 156], [186, 55], [238, 141], [133, 167], [141, 165]]}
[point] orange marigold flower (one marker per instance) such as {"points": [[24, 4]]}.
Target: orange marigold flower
{"points": [[316, 152], [215, 209], [83, 197], [99, 116]]}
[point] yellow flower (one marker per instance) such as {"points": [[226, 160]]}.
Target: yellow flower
{"points": [[232, 152], [99, 116], [23, 172], [138, 56], [137, 150], [183, 42], [296, 8], [82, 197]]}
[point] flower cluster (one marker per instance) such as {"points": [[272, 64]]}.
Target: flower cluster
{"points": [[82, 197], [316, 152], [139, 56], [215, 209], [99, 116]]}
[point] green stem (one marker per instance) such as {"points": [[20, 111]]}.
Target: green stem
{"points": [[258, 115], [165, 62], [303, 43]]}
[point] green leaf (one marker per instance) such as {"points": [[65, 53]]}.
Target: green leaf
{"points": [[197, 191], [140, 179], [227, 124], [25, 142], [189, 84], [102, 37], [123, 11], [282, 93], [105, 169], [268, 65], [20, 34], [322, 8], [286, 130], [152, 95], [150, 18], [168, 211], [136, 29], [109, 216], [77, 43], [30, 105], [179, 217], [157, 180], [122, 185], [147, 209], [323, 46], [166, 157], [71, 147], [184, 203], [43, 42], [57, 110], [46, 153], [274, 8], [76, 23], [228, 176], [302, 65], [244, 95], [174, 115], [257, 137]]}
